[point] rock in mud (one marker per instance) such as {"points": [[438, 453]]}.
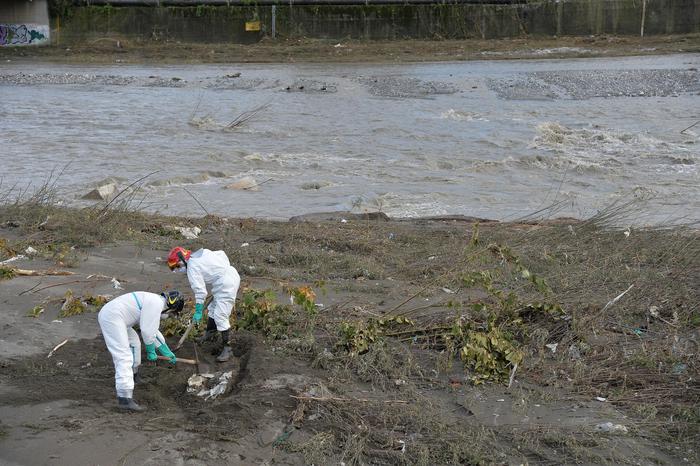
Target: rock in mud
{"points": [[104, 192], [314, 185], [611, 428], [339, 216], [247, 183]]}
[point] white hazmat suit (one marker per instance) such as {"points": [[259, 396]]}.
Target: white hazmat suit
{"points": [[212, 268], [116, 319]]}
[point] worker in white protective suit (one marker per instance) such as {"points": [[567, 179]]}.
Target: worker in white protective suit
{"points": [[117, 319], [212, 268]]}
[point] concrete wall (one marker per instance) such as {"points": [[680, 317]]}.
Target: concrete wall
{"points": [[24, 22], [455, 21]]}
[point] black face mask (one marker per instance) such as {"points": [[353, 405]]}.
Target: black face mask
{"points": [[182, 258]]}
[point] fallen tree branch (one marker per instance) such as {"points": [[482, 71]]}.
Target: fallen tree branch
{"points": [[57, 347], [247, 115], [40, 273], [33, 290]]}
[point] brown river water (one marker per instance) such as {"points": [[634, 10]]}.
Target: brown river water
{"points": [[495, 139]]}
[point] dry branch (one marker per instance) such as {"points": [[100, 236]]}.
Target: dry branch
{"points": [[247, 115], [56, 348], [40, 273]]}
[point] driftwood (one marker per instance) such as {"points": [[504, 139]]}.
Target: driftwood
{"points": [[40, 273], [57, 347]]}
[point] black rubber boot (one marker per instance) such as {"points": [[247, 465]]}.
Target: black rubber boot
{"points": [[137, 378], [225, 354], [210, 332], [128, 404]]}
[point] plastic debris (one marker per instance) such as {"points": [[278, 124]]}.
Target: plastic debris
{"points": [[654, 312], [189, 232], [552, 347], [30, 251], [116, 284], [611, 428], [245, 245], [12, 259], [198, 384], [600, 398]]}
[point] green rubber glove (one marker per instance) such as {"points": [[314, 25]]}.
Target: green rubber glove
{"points": [[165, 351], [198, 310], [151, 352]]}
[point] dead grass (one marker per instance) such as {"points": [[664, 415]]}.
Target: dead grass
{"points": [[640, 351], [382, 432]]}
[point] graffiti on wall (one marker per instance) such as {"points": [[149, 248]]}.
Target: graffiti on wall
{"points": [[23, 34]]}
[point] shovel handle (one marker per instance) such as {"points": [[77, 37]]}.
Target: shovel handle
{"points": [[186, 361], [184, 336]]}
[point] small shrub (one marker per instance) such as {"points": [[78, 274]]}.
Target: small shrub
{"points": [[7, 273]]}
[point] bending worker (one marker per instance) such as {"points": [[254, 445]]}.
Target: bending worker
{"points": [[205, 267], [117, 318]]}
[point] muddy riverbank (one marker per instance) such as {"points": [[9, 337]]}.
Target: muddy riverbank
{"points": [[602, 324], [116, 50]]}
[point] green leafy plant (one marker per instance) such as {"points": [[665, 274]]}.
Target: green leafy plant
{"points": [[261, 312], [76, 305], [35, 312], [7, 273], [489, 353], [304, 297], [357, 337]]}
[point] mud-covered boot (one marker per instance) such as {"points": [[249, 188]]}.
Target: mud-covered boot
{"points": [[225, 354], [138, 380], [210, 332], [128, 404]]}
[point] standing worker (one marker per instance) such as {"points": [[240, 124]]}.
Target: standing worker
{"points": [[205, 267], [117, 318]]}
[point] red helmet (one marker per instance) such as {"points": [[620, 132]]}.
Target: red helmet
{"points": [[177, 255]]}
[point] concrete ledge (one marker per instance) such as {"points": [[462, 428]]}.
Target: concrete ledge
{"points": [[371, 21], [24, 22]]}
